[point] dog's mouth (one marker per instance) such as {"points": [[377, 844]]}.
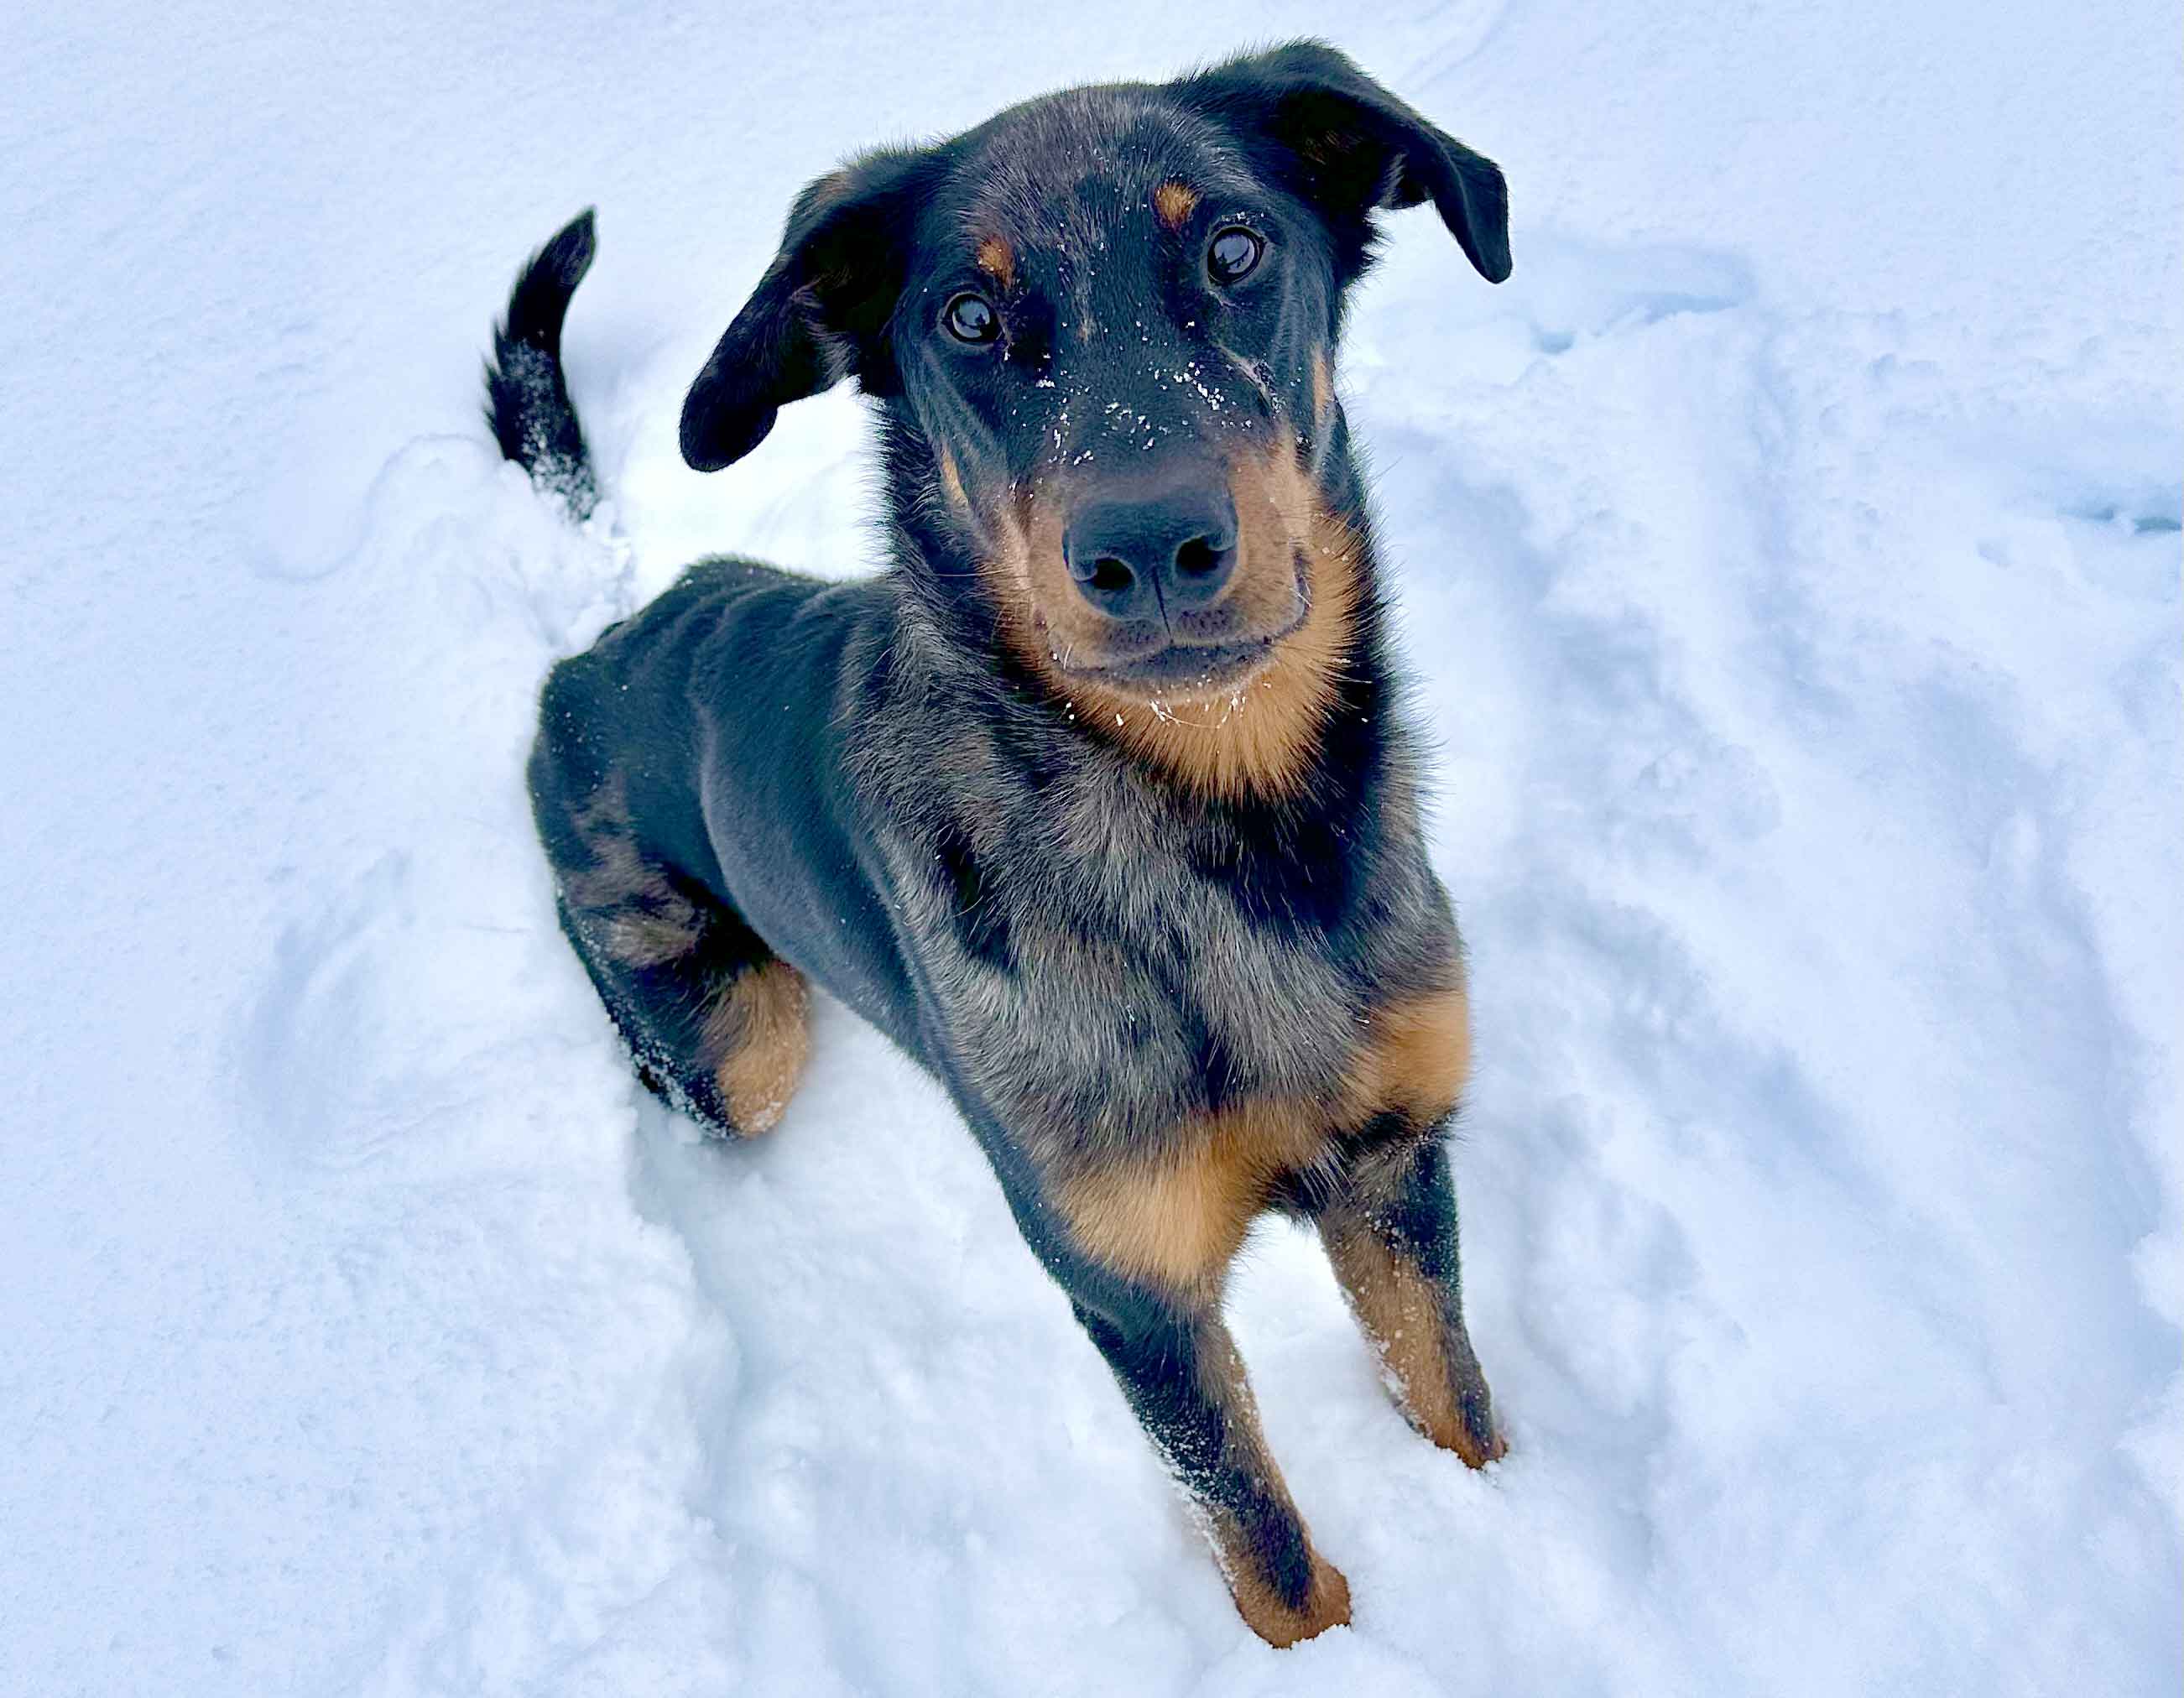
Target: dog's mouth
{"points": [[1211, 652], [1183, 669], [1197, 653]]}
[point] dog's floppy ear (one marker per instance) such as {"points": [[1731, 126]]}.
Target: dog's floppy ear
{"points": [[1347, 147], [818, 315]]}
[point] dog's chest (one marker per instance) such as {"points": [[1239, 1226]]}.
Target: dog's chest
{"points": [[1102, 998], [1116, 1037]]}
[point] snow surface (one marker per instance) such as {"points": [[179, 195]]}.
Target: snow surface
{"points": [[1790, 555]]}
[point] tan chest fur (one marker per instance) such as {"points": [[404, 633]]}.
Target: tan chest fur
{"points": [[1177, 1219]]}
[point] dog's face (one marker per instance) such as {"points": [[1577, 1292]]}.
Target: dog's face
{"points": [[1105, 320]]}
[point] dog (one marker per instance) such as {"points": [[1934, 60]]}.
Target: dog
{"points": [[1101, 799]]}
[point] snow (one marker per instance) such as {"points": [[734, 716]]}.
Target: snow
{"points": [[1789, 555]]}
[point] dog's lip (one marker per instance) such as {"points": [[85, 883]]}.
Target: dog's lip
{"points": [[1165, 665], [1178, 667], [1172, 668]]}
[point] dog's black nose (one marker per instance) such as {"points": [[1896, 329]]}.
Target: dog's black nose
{"points": [[1132, 558]]}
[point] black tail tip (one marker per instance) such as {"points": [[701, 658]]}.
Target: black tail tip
{"points": [[540, 300], [527, 393], [568, 256]]}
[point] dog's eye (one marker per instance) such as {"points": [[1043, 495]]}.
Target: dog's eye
{"points": [[970, 318], [1234, 254]]}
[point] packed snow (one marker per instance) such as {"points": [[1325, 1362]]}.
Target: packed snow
{"points": [[1790, 562]]}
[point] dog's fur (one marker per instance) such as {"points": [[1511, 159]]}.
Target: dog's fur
{"points": [[1163, 927]]}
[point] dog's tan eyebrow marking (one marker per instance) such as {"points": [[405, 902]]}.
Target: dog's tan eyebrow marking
{"points": [[1174, 202], [998, 260]]}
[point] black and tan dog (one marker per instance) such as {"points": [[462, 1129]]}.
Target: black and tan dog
{"points": [[1100, 801]]}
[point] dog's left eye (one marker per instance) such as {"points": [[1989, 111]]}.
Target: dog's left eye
{"points": [[970, 318], [1233, 254]]}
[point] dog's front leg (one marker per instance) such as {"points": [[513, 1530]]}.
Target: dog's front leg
{"points": [[1391, 1238], [1181, 1372]]}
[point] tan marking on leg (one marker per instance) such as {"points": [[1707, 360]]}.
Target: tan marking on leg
{"points": [[756, 1039], [1414, 1062], [1326, 1605], [1262, 1608], [1399, 1309], [1174, 202], [1177, 1220], [998, 260], [1415, 1056]]}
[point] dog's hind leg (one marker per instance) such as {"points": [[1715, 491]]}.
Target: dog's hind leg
{"points": [[715, 1020]]}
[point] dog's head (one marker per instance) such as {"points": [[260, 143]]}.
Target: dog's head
{"points": [[1103, 325]]}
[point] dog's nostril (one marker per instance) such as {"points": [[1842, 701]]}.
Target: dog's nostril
{"points": [[1141, 555], [1197, 557]]}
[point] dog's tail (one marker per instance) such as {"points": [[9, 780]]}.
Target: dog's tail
{"points": [[527, 396]]}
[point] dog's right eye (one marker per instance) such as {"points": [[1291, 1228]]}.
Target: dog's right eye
{"points": [[970, 318], [1233, 255]]}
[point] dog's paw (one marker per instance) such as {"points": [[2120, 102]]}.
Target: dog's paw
{"points": [[1327, 1605], [1469, 1427]]}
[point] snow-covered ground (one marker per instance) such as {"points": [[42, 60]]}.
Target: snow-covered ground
{"points": [[1790, 556]]}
